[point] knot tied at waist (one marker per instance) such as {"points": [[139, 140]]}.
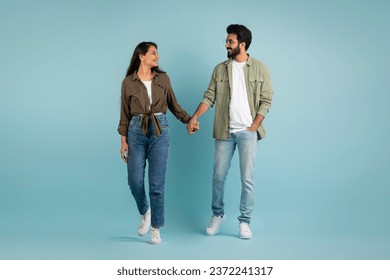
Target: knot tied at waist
{"points": [[156, 123]]}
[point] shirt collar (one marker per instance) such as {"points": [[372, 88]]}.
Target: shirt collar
{"points": [[249, 61], [135, 77]]}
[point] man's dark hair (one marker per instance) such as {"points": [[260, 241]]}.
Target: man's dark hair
{"points": [[243, 34]]}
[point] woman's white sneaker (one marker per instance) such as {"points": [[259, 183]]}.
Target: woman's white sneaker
{"points": [[155, 237], [144, 226]]}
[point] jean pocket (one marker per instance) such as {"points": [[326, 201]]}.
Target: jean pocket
{"points": [[162, 120], [134, 120]]}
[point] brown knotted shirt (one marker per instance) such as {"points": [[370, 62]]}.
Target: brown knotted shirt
{"points": [[135, 101]]}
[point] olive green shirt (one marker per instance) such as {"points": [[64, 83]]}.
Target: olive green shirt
{"points": [[135, 101], [259, 91]]}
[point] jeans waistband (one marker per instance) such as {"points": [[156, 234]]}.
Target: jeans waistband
{"points": [[141, 115]]}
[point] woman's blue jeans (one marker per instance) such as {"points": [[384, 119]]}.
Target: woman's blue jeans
{"points": [[246, 143], [154, 150]]}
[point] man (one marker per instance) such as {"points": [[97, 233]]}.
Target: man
{"points": [[241, 90]]}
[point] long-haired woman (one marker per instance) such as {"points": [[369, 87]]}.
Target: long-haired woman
{"points": [[146, 95]]}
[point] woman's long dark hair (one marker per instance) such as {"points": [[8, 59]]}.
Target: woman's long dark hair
{"points": [[141, 48]]}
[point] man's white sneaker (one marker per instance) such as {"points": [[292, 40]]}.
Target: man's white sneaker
{"points": [[215, 224], [245, 231], [155, 236], [144, 226]]}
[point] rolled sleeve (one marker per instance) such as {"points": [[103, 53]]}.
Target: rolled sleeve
{"points": [[266, 94], [125, 115], [174, 105]]}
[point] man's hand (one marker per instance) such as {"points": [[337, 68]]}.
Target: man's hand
{"points": [[256, 123], [252, 128]]}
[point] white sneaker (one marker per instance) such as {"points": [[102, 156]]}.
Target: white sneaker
{"points": [[144, 226], [215, 224], [155, 236], [245, 231]]}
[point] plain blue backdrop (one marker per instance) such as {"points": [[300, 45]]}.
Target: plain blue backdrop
{"points": [[322, 173]]}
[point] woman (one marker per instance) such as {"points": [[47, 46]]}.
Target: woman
{"points": [[146, 95]]}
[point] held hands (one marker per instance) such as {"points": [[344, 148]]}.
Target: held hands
{"points": [[193, 126]]}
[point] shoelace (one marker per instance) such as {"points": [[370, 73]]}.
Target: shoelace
{"points": [[155, 234]]}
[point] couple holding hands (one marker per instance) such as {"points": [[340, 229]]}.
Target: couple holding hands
{"points": [[241, 91]]}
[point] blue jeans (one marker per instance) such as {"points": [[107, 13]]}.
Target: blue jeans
{"points": [[246, 143], [153, 149]]}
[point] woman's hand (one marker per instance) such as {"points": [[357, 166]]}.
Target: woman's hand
{"points": [[124, 149]]}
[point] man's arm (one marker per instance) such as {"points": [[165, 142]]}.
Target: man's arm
{"points": [[256, 122], [266, 93], [205, 104]]}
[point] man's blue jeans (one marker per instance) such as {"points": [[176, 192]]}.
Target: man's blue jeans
{"points": [[153, 149], [246, 143]]}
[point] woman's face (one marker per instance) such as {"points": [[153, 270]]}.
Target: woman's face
{"points": [[151, 57]]}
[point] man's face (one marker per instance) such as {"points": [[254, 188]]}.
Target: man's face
{"points": [[232, 46]]}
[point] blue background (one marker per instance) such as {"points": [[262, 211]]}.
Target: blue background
{"points": [[322, 174]]}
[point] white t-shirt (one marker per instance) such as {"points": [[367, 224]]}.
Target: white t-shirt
{"points": [[148, 85], [240, 113]]}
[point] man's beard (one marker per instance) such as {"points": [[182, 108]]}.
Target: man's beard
{"points": [[233, 52]]}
